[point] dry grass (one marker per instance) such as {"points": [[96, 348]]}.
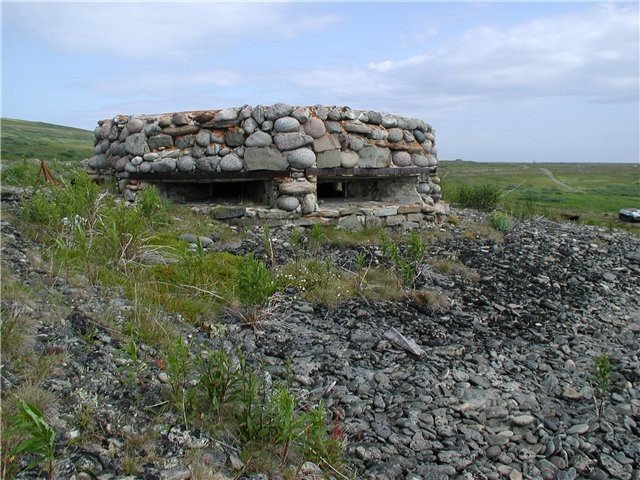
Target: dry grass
{"points": [[455, 268]]}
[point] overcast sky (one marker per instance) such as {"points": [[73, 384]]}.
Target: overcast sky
{"points": [[513, 81]]}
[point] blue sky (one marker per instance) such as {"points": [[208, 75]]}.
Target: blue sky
{"points": [[512, 81]]}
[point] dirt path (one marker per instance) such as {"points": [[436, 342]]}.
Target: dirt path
{"points": [[559, 182]]}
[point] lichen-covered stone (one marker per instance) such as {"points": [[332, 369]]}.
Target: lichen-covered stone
{"points": [[145, 167], [136, 144], [234, 138], [277, 110], [185, 141], [301, 158], [207, 164], [203, 138], [165, 165], [186, 164]]}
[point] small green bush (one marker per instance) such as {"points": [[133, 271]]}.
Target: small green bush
{"points": [[500, 221], [254, 282], [481, 197]]}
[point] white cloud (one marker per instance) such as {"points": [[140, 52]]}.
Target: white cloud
{"points": [[591, 55], [148, 30]]}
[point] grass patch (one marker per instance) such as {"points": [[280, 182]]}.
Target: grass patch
{"points": [[455, 268], [317, 281], [500, 221]]}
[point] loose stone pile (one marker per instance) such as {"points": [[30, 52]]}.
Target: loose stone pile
{"points": [[242, 142]]}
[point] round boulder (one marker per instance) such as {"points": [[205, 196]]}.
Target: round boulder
{"points": [[301, 158], [286, 124], [186, 164], [166, 165], [401, 158], [420, 160], [315, 128], [395, 135], [135, 125], [231, 163], [288, 204]]}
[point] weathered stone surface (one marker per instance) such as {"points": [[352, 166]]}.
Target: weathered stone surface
{"points": [[290, 141], [197, 151], [356, 127], [203, 138], [286, 124], [419, 160], [160, 141], [329, 159], [186, 164], [326, 142], [297, 187], [119, 164], [136, 144], [166, 165], [374, 157], [179, 119], [308, 204], [301, 114], [258, 114], [135, 125], [395, 135], [258, 139], [207, 164], [98, 161], [145, 167], [226, 115], [217, 136], [433, 161], [349, 159], [264, 158], [213, 149], [335, 113], [152, 129], [231, 163], [315, 128], [234, 138], [351, 222], [277, 110], [185, 141], [249, 125], [287, 203], [301, 158], [178, 131], [401, 158]]}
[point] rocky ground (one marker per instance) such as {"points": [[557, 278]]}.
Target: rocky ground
{"points": [[505, 387]]}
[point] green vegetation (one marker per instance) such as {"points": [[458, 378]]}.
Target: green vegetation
{"points": [[602, 371], [22, 140], [36, 438], [594, 192], [481, 197], [500, 221]]}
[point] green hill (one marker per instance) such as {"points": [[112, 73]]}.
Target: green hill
{"points": [[21, 139]]}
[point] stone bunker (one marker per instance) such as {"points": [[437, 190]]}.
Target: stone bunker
{"points": [[278, 162]]}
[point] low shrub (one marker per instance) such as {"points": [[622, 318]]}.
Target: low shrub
{"points": [[480, 197], [500, 221]]}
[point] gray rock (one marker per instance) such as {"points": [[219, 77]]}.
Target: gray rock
{"points": [[120, 164], [186, 164], [267, 126], [315, 128], [224, 151], [160, 141], [374, 117], [326, 142], [264, 158], [401, 158], [378, 134], [145, 167], [614, 467], [333, 127], [395, 135], [335, 114], [150, 157], [197, 151], [136, 144], [308, 204], [286, 124], [217, 137], [249, 126], [245, 112], [287, 203], [258, 139], [207, 164], [135, 125], [183, 130], [166, 165], [277, 110], [389, 121], [258, 114], [291, 141], [419, 136], [234, 138], [225, 116], [322, 112], [356, 127], [351, 222], [299, 186], [355, 143], [349, 159], [407, 123], [519, 420], [191, 238], [374, 157], [185, 141], [129, 196], [179, 119], [98, 162], [122, 137], [203, 138], [329, 159], [231, 163], [301, 114], [176, 473], [419, 160], [408, 136], [136, 160], [301, 158]]}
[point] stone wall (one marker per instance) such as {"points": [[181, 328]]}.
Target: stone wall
{"points": [[288, 147]]}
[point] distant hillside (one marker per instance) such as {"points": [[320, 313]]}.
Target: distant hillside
{"points": [[24, 140]]}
